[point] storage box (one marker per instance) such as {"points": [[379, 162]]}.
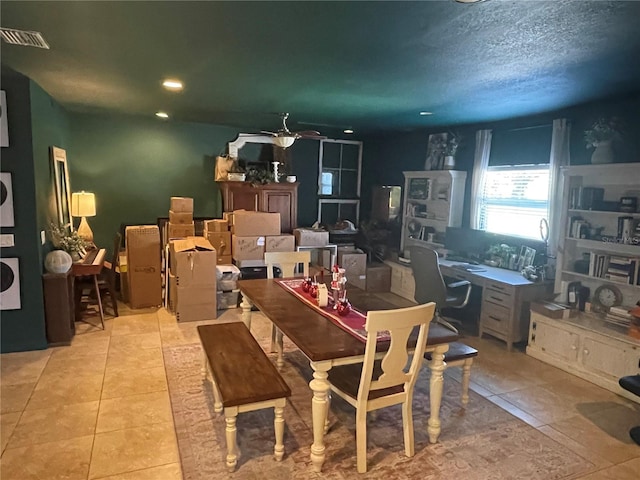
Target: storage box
{"points": [[552, 310], [311, 238], [193, 262], [143, 266], [247, 248], [228, 299], [246, 224], [280, 243], [180, 217], [173, 293], [378, 278], [181, 204], [221, 241], [196, 302], [216, 225], [227, 277], [180, 230], [354, 262]]}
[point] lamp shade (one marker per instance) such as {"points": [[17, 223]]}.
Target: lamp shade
{"points": [[83, 204], [284, 141]]}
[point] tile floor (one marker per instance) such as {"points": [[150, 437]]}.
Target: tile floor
{"points": [[100, 409]]}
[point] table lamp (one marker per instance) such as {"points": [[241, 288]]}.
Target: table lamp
{"points": [[83, 204]]}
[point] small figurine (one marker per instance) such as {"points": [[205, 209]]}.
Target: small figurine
{"points": [[344, 307], [306, 285]]}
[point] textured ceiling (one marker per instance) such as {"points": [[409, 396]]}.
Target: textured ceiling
{"points": [[366, 65]]}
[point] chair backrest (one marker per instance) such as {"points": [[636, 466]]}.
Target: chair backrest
{"points": [[399, 323], [430, 286], [115, 256], [287, 261]]}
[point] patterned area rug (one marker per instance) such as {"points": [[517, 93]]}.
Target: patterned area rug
{"points": [[479, 442]]}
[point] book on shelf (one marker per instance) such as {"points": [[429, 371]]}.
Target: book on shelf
{"points": [[623, 270]]}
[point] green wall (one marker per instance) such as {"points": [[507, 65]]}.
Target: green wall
{"points": [[23, 329]]}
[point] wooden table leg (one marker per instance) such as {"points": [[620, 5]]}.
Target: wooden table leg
{"points": [[97, 287], [320, 387], [437, 367], [246, 311]]}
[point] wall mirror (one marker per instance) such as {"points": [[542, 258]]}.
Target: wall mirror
{"points": [[62, 188]]}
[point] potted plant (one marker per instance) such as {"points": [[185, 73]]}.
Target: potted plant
{"points": [[67, 240], [600, 137]]}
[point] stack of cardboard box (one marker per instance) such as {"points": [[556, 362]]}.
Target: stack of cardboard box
{"points": [[193, 269], [227, 276], [354, 261], [218, 234], [255, 233], [143, 265], [181, 218]]}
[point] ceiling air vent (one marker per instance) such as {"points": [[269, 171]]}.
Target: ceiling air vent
{"points": [[23, 37]]}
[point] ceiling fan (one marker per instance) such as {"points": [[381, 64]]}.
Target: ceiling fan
{"points": [[284, 137]]}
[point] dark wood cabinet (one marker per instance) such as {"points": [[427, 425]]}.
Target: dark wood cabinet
{"points": [[279, 198], [59, 309]]}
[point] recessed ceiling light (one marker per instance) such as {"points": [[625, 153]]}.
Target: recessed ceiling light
{"points": [[426, 113], [173, 85], [348, 130], [164, 115]]}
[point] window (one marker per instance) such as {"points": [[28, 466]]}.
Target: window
{"points": [[514, 199], [339, 181]]}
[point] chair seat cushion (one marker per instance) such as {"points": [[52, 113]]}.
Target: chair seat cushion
{"points": [[631, 383], [347, 379]]}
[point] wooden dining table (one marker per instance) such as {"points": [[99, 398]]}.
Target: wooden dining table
{"points": [[326, 345]]}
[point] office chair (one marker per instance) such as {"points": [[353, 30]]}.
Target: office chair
{"points": [[430, 285], [631, 383]]}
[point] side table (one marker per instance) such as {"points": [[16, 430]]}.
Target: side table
{"points": [[59, 307]]}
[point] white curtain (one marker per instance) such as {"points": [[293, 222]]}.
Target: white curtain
{"points": [[480, 164], [559, 158]]}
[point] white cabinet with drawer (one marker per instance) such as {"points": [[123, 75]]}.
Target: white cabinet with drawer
{"points": [[586, 347], [402, 282]]}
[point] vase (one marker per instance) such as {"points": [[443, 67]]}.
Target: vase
{"points": [[603, 152], [57, 261], [449, 162]]}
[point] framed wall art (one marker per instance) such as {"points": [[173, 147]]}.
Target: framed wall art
{"points": [[62, 187], [4, 122], [6, 200], [10, 284], [435, 151]]}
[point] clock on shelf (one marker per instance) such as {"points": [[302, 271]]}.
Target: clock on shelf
{"points": [[607, 296]]}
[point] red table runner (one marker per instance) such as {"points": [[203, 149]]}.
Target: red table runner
{"points": [[352, 323]]}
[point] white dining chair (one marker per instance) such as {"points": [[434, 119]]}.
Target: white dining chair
{"points": [[376, 384], [288, 263]]}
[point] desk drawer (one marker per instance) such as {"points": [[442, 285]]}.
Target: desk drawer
{"points": [[498, 297], [495, 317]]}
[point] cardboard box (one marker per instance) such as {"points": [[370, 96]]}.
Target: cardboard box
{"points": [[225, 260], [308, 237], [378, 278], [280, 243], [228, 299], [173, 293], [143, 266], [180, 230], [196, 302], [247, 248], [181, 204], [180, 217], [221, 241], [227, 277], [216, 225], [247, 224], [193, 262], [354, 261]]}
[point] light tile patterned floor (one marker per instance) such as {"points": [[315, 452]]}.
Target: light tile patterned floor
{"points": [[100, 409]]}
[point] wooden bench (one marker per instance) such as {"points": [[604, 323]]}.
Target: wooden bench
{"points": [[459, 354], [243, 379]]}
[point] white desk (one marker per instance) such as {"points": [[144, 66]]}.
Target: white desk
{"points": [[506, 294]]}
